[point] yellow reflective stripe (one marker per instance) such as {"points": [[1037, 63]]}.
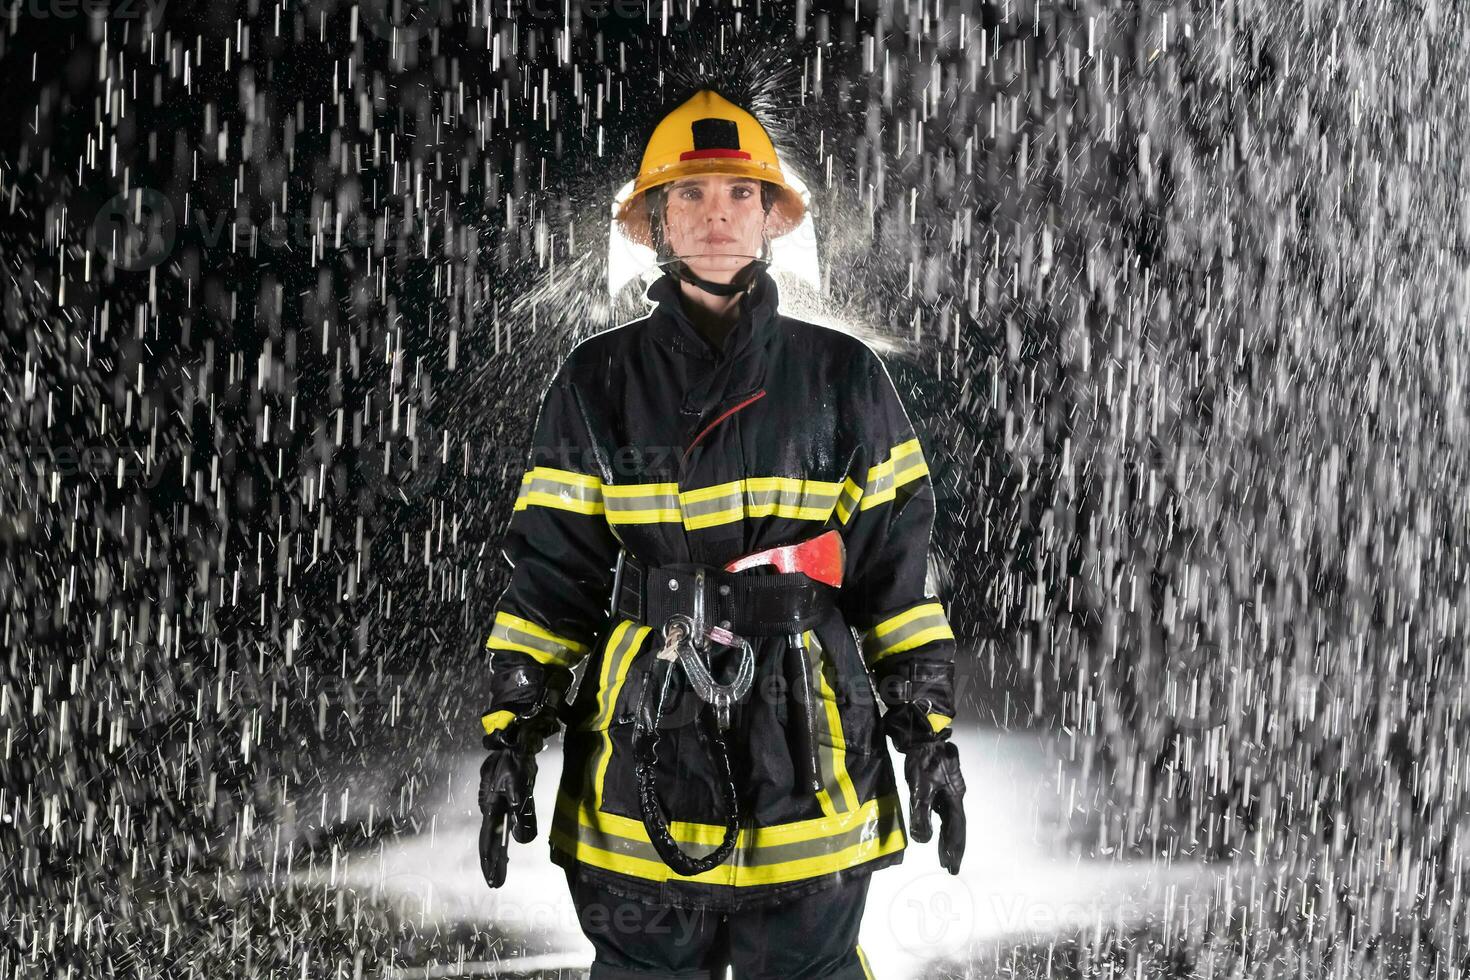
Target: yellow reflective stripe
{"points": [[939, 722], [914, 627], [665, 503], [736, 875], [863, 959], [848, 499], [496, 720], [905, 463], [833, 729], [710, 834], [879, 486], [615, 668], [514, 633], [724, 503], [543, 486], [826, 754], [876, 822], [782, 496], [908, 463], [713, 506], [642, 503]]}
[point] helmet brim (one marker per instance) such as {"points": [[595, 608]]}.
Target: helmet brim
{"points": [[788, 206]]}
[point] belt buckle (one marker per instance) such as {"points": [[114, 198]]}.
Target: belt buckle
{"points": [[628, 565], [617, 585], [700, 639]]}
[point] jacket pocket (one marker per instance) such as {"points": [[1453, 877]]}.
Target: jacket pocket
{"points": [[848, 712], [618, 681]]}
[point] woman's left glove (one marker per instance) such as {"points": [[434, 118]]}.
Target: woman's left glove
{"points": [[919, 695], [932, 770]]}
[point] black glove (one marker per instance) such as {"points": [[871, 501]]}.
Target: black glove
{"points": [[932, 770], [507, 777], [508, 774], [912, 690]]}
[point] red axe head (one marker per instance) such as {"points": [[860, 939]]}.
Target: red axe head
{"points": [[820, 558]]}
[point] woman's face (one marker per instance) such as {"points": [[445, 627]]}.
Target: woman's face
{"points": [[715, 224]]}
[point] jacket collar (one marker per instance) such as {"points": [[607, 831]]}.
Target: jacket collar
{"points": [[734, 372]]}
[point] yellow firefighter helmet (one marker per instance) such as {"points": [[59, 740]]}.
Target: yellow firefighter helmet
{"points": [[709, 135]]}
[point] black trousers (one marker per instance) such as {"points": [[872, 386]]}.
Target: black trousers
{"points": [[810, 938]]}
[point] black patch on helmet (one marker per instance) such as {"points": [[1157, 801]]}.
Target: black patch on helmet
{"points": [[715, 134]]}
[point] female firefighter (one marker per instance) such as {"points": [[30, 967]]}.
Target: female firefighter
{"points": [[727, 513]]}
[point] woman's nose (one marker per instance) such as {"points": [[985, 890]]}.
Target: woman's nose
{"points": [[718, 208]]}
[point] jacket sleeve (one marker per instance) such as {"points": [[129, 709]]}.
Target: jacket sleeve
{"points": [[887, 508], [561, 550]]}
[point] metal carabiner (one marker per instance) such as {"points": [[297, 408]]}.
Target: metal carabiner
{"points": [[680, 645], [718, 696]]}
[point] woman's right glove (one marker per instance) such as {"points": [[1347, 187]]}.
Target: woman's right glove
{"points": [[507, 777], [523, 716]]}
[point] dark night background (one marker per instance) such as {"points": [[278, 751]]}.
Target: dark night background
{"points": [[1176, 294]]}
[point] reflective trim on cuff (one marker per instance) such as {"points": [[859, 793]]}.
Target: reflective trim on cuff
{"points": [[523, 636], [496, 720], [910, 629], [939, 722]]}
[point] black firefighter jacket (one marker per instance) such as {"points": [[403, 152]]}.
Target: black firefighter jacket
{"points": [[651, 439]]}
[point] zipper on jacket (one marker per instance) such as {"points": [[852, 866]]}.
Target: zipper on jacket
{"points": [[723, 415]]}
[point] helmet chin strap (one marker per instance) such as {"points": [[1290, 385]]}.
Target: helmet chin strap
{"points": [[738, 283]]}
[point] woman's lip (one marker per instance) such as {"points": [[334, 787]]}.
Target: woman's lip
{"points": [[718, 241]]}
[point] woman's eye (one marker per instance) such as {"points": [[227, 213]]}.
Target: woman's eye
{"points": [[742, 192]]}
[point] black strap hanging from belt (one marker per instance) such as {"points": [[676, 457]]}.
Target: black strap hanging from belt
{"points": [[737, 606], [656, 693]]}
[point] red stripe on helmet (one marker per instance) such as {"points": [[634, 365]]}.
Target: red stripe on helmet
{"points": [[708, 154]]}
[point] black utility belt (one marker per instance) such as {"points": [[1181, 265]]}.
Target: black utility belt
{"points": [[772, 604]]}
